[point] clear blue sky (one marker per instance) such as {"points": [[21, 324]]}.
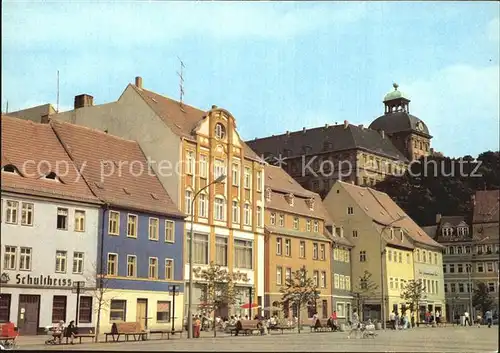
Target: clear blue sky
{"points": [[275, 66]]}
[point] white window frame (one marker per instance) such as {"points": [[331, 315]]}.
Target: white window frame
{"points": [[272, 218], [115, 262], [258, 215], [203, 205], [12, 211], [63, 210], [78, 262], [61, 261], [308, 225], [302, 249], [154, 232], [279, 275], [25, 253], [281, 219], [247, 178], [27, 208], [316, 226], [155, 267], [115, 222], [288, 247], [279, 246], [219, 168], [235, 170], [235, 209], [190, 166], [171, 269], [350, 210], [219, 208], [133, 264], [134, 224], [10, 257], [203, 166], [259, 180], [296, 223], [80, 216], [169, 231], [247, 214], [188, 198]]}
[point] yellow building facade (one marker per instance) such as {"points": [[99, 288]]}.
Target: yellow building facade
{"points": [[294, 237], [399, 271]]}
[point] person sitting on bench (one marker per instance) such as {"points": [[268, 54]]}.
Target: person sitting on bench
{"points": [[238, 327], [70, 331]]}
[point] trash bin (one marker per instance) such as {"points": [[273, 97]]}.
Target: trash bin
{"points": [[462, 320], [342, 328], [378, 326]]}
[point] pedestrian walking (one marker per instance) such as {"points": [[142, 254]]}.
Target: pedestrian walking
{"points": [[489, 318], [467, 319]]}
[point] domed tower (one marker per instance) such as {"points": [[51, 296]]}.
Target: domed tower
{"points": [[408, 133]]}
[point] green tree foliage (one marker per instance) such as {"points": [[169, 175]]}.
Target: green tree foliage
{"points": [[219, 288], [412, 294], [364, 288], [443, 185], [299, 290], [482, 299]]}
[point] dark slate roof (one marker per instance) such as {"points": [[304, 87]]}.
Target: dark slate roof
{"points": [[399, 122], [334, 138]]}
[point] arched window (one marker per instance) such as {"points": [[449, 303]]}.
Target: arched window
{"points": [[9, 168]]}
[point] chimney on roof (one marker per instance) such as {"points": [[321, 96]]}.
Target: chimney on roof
{"points": [[214, 106], [138, 82], [438, 218], [287, 133], [382, 133], [304, 130], [346, 124], [83, 100], [326, 126], [361, 126], [45, 119]]}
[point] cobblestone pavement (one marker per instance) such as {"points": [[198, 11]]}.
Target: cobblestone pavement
{"points": [[449, 339]]}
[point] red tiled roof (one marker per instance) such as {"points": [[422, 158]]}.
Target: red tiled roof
{"points": [[35, 151], [182, 120], [383, 210], [112, 167], [486, 207]]}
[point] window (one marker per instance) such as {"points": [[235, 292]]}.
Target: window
{"points": [[407, 258], [59, 308], [200, 248], [446, 287], [451, 251], [391, 283], [243, 253], [77, 262], [154, 233], [163, 311], [281, 220], [247, 214], [316, 278], [79, 221], [491, 287], [418, 255], [424, 256], [259, 181], [350, 210], [296, 223], [348, 282], [461, 287], [315, 251], [347, 256], [322, 252], [61, 261], [62, 218], [131, 266], [258, 214], [288, 246], [203, 205], [219, 209], [169, 269], [467, 249], [112, 265], [336, 281], [27, 214], [117, 310], [189, 162], [489, 267], [9, 258], [308, 225], [85, 310], [219, 168], [279, 275], [153, 268], [114, 223], [389, 255], [236, 174], [400, 258], [316, 226], [11, 215], [220, 131], [288, 274], [273, 218], [203, 166], [362, 256], [480, 267], [452, 268], [25, 259], [188, 198], [323, 279], [302, 249], [279, 246], [342, 281], [247, 178], [221, 251], [340, 310], [460, 268], [132, 226], [236, 212], [444, 268], [169, 231], [354, 233]]}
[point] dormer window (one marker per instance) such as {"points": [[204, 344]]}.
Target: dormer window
{"points": [[310, 203], [401, 234], [446, 231], [290, 199], [10, 168], [268, 194], [51, 176], [392, 233]]}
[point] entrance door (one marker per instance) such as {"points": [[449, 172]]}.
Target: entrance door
{"points": [[28, 314], [142, 312]]}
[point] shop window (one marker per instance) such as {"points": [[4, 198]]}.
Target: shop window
{"points": [[163, 311], [118, 310], [85, 312], [59, 308], [4, 307]]}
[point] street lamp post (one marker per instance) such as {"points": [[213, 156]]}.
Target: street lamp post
{"points": [[382, 274], [77, 287], [219, 179]]}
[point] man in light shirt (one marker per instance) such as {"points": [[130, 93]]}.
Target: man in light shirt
{"points": [[467, 319]]}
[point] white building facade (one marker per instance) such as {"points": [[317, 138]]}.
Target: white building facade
{"points": [[48, 245]]}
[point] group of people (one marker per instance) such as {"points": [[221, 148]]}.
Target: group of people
{"points": [[399, 321], [488, 317], [60, 330]]}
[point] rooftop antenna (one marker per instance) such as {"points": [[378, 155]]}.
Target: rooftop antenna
{"points": [[181, 83], [7, 107], [57, 101]]}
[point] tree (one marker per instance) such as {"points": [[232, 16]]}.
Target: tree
{"points": [[412, 294], [299, 290], [364, 289], [100, 292], [482, 299], [219, 288]]}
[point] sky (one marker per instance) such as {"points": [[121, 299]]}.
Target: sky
{"points": [[276, 66]]}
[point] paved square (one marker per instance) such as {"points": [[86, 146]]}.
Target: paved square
{"points": [[449, 339]]}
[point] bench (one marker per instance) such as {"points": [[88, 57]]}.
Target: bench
{"points": [[164, 332], [79, 336], [282, 328], [247, 327], [127, 329], [322, 327]]}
